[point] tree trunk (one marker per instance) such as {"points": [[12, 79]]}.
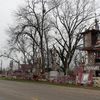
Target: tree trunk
{"points": [[42, 57]]}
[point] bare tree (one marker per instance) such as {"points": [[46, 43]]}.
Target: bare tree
{"points": [[69, 20], [35, 15], [22, 50]]}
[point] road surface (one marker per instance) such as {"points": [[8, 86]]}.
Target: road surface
{"points": [[11, 90]]}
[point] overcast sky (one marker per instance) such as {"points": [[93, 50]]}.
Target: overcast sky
{"points": [[7, 8]]}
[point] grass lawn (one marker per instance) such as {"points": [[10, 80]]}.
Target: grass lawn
{"points": [[51, 83]]}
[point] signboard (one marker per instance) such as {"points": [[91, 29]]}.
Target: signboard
{"points": [[53, 75], [85, 78]]}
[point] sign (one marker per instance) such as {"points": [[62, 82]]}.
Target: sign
{"points": [[85, 78]]}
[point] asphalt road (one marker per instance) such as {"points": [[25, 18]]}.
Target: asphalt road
{"points": [[31, 91]]}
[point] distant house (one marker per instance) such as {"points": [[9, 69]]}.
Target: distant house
{"points": [[24, 72], [25, 68]]}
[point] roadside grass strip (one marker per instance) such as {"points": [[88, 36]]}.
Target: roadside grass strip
{"points": [[51, 83]]}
